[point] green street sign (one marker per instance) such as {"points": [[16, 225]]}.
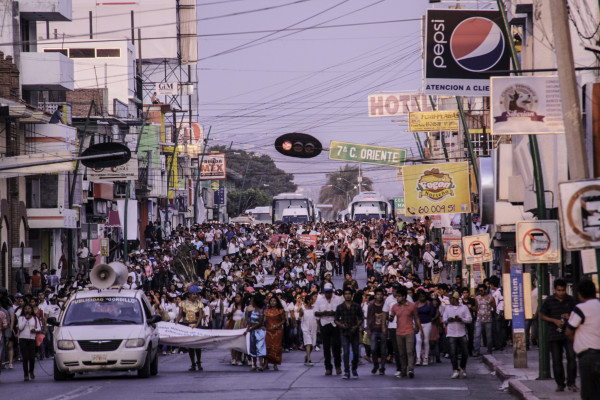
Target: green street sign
{"points": [[363, 153], [399, 205]]}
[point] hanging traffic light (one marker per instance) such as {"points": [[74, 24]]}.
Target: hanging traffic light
{"points": [[298, 145]]}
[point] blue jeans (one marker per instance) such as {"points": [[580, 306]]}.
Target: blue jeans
{"points": [[479, 327], [378, 342], [556, 351], [459, 344], [347, 343]]}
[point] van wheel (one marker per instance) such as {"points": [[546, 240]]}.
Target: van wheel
{"points": [[154, 365], [59, 375], [144, 372]]}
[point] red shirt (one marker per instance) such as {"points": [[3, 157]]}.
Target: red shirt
{"points": [[404, 318], [36, 281]]}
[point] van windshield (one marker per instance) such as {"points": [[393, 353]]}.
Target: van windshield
{"points": [[103, 311]]}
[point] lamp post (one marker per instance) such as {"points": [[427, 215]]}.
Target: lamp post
{"points": [[344, 191]]}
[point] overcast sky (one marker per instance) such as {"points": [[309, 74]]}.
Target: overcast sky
{"points": [[254, 87]]}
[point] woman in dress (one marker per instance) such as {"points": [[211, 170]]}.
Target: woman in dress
{"points": [[256, 317], [192, 312], [309, 327], [275, 317], [236, 319]]}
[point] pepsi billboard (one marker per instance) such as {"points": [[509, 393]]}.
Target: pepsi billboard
{"points": [[463, 48]]}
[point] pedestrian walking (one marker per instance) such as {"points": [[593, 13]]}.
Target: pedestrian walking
{"points": [[330, 335], [408, 324], [583, 329], [349, 317], [377, 331], [456, 317], [485, 307]]}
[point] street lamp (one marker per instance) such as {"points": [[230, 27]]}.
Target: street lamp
{"points": [[344, 191]]}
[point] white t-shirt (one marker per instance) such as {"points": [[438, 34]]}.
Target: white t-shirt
{"points": [[585, 319], [322, 304]]}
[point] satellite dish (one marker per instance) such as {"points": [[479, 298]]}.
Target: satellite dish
{"points": [[106, 155]]}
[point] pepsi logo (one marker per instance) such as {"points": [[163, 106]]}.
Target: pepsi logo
{"points": [[477, 44]]}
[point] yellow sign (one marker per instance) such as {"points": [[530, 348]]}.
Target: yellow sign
{"points": [[433, 121], [104, 247], [431, 189]]}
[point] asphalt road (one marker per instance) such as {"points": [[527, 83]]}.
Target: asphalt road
{"points": [[219, 380]]}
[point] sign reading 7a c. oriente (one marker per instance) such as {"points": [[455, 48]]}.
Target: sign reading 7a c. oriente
{"points": [[363, 153]]}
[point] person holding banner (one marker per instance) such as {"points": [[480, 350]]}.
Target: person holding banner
{"points": [[192, 312], [256, 328]]}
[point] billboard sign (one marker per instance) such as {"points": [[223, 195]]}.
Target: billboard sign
{"points": [[437, 188], [213, 167], [433, 121], [363, 153], [124, 172], [523, 105], [393, 104], [463, 48]]}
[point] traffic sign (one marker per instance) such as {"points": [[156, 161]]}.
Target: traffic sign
{"points": [[477, 249], [454, 250], [580, 214], [538, 242]]}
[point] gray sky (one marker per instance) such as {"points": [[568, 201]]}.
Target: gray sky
{"points": [[314, 81]]}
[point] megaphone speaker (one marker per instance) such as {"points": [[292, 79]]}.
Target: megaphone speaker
{"points": [[104, 276]]}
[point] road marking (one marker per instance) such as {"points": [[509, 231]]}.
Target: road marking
{"points": [[76, 393]]}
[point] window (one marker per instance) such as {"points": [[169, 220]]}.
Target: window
{"points": [[64, 52], [82, 53], [108, 52]]}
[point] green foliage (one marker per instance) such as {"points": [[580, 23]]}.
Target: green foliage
{"points": [[342, 186], [250, 198], [260, 172]]}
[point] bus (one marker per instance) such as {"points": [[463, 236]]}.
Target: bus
{"points": [[293, 208], [367, 205]]}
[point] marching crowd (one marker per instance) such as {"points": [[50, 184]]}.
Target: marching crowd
{"points": [[275, 281]]}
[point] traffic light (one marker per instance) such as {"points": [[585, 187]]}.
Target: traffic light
{"points": [[298, 145]]}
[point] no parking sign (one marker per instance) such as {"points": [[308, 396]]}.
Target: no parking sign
{"points": [[477, 249], [538, 242]]}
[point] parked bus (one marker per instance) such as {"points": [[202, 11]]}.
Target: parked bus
{"points": [[367, 205], [293, 208]]}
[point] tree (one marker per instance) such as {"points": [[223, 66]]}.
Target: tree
{"points": [[342, 186], [255, 171], [250, 198]]}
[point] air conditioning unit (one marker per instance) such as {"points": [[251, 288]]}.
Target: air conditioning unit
{"points": [[120, 189]]}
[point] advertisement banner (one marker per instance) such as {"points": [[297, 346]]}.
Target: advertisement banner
{"points": [[393, 104], [433, 121], [463, 48], [399, 205], [362, 153], [526, 105], [437, 188], [308, 240], [124, 172], [166, 88], [213, 167], [517, 299]]}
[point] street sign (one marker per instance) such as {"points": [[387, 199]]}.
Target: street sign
{"points": [[433, 121], [367, 154], [399, 205], [477, 249], [538, 242], [453, 250], [580, 214]]}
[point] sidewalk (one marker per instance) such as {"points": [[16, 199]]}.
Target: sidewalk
{"points": [[523, 382]]}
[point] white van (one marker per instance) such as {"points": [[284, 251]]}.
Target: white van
{"points": [[106, 330]]}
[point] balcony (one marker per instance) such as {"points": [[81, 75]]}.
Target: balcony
{"points": [[49, 138], [46, 10], [46, 71]]}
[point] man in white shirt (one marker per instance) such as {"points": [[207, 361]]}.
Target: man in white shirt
{"points": [[455, 317], [325, 307], [498, 323]]}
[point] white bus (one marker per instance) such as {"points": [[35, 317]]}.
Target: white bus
{"points": [[261, 214], [293, 208], [367, 205]]}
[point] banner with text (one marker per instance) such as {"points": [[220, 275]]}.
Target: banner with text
{"points": [[524, 105], [213, 167], [437, 189], [433, 121], [362, 153], [392, 104]]}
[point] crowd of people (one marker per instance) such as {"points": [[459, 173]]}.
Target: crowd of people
{"points": [[271, 281]]}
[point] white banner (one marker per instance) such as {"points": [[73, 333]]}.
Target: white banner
{"points": [[177, 335], [524, 105]]}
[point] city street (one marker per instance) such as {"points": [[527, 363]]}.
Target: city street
{"points": [[223, 381]]}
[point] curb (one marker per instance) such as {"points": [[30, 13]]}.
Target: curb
{"points": [[520, 390], [496, 366]]}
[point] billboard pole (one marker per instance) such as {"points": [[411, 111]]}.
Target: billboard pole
{"points": [[542, 269]]}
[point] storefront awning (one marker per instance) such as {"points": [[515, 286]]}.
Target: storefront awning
{"points": [[113, 219]]}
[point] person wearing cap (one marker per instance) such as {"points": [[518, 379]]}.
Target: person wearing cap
{"points": [[325, 307], [456, 316]]}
